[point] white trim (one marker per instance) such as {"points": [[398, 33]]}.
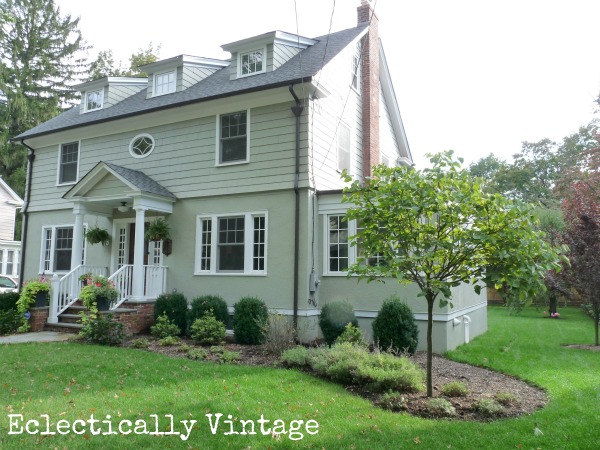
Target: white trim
{"points": [[337, 162], [218, 162], [52, 270], [351, 248], [248, 243], [423, 316], [140, 136], [262, 50], [85, 100], [168, 72], [68, 183]]}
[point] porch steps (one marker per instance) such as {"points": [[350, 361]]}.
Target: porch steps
{"points": [[69, 321]]}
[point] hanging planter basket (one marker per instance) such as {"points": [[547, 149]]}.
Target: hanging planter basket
{"points": [[158, 230], [97, 235]]}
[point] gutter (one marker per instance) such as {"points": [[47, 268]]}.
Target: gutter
{"points": [[30, 159], [297, 109]]}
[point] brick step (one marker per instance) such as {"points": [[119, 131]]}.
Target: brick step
{"points": [[75, 309], [64, 327], [69, 318]]}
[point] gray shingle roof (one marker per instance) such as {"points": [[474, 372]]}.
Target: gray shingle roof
{"points": [[301, 67], [142, 181]]}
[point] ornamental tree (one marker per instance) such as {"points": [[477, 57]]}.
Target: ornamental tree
{"points": [[437, 228]]}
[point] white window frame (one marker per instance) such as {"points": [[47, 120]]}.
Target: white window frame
{"points": [[44, 249], [338, 147], [140, 136], [248, 244], [170, 88], [218, 140], [352, 253], [59, 167], [100, 100], [262, 51], [356, 69]]}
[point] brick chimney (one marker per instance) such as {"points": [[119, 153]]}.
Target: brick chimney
{"points": [[370, 88]]}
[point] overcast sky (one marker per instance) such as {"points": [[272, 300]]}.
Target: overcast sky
{"points": [[476, 76]]}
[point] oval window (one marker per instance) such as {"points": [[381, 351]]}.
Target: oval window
{"points": [[141, 146]]}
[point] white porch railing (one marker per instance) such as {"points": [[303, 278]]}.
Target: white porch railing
{"points": [[65, 290], [122, 279], [155, 282]]}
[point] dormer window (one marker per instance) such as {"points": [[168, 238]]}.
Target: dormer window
{"points": [[94, 100], [252, 62], [164, 83]]}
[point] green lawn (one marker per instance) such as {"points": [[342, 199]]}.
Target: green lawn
{"points": [[69, 381]]}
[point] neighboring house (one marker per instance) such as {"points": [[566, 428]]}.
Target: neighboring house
{"points": [[10, 250], [243, 159]]}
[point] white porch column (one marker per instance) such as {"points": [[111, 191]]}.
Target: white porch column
{"points": [[77, 247], [137, 291]]}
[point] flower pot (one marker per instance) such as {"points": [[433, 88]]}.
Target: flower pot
{"points": [[102, 303], [41, 299]]}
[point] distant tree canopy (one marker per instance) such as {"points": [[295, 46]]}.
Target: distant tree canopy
{"points": [[104, 65]]}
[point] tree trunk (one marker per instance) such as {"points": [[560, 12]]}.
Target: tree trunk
{"points": [[430, 300]]}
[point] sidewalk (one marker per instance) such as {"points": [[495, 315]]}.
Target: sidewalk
{"points": [[42, 336]]}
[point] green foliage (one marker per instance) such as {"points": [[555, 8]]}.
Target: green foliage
{"points": [[140, 343], [441, 230], [30, 290], [394, 401], [351, 335], [455, 389], [395, 327], [8, 301], [169, 341], [197, 353], [217, 349], [207, 330], [506, 398], [164, 328], [158, 230], [184, 348], [440, 407], [174, 306], [280, 334], [103, 330], [104, 65], [352, 364], [10, 320], [228, 357], [296, 357], [96, 235], [98, 287], [334, 318], [214, 303], [250, 315], [488, 407]]}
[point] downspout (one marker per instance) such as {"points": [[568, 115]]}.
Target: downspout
{"points": [[30, 159], [297, 110]]}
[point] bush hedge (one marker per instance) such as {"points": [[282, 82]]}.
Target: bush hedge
{"points": [[201, 305], [175, 307], [10, 321], [8, 301], [395, 327], [334, 318], [207, 330], [250, 318], [103, 330]]}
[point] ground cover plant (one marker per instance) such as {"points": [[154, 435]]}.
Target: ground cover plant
{"points": [[79, 380]]}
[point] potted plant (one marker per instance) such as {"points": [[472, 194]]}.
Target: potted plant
{"points": [[97, 235], [84, 278], [99, 293], [35, 292], [158, 230]]}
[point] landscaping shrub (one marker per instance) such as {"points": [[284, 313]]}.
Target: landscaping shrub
{"points": [[394, 401], [352, 364], [175, 307], [352, 335], [201, 305], [103, 330], [455, 389], [169, 341], [488, 407], [250, 315], [394, 328], [197, 353], [227, 357], [207, 330], [440, 407], [334, 318], [164, 328], [217, 349], [506, 398], [8, 301], [140, 343], [280, 334], [10, 321]]}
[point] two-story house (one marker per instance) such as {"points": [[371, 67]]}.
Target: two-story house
{"points": [[9, 248], [243, 159]]}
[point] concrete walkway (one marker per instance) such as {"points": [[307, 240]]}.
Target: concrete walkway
{"points": [[42, 336]]}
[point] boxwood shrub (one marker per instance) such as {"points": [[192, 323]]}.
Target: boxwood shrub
{"points": [[174, 306], [334, 318], [201, 305], [250, 319], [8, 301], [395, 327]]}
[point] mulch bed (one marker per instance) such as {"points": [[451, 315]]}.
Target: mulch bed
{"points": [[481, 383]]}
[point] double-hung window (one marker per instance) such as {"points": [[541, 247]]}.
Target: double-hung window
{"points": [[232, 137], [68, 163], [164, 83], [57, 247], [251, 62], [94, 100], [232, 244]]}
